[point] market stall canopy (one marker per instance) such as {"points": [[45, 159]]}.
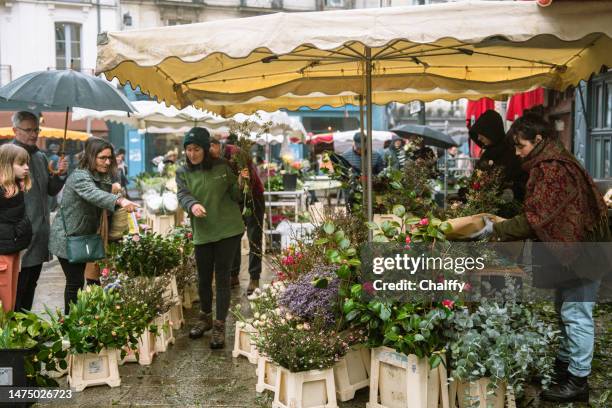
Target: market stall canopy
{"points": [[347, 136], [156, 117], [477, 48], [430, 136], [7, 133]]}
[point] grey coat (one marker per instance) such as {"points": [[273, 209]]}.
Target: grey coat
{"points": [[85, 195], [43, 185]]}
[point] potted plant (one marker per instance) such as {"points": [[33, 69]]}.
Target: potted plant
{"points": [[406, 338], [497, 347], [98, 327], [29, 350]]}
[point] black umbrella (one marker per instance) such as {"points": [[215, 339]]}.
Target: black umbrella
{"points": [[430, 136], [62, 90]]}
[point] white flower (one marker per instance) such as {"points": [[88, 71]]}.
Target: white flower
{"points": [[238, 306], [251, 297], [257, 291], [256, 315], [289, 316], [277, 311], [240, 325], [266, 286], [300, 327], [306, 326], [263, 317], [252, 305]]}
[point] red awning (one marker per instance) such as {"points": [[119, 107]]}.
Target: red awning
{"points": [[473, 112], [522, 101]]}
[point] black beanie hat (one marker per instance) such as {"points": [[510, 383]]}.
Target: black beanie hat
{"points": [[199, 136]]}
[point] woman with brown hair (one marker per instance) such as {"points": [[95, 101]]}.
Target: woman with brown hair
{"points": [[87, 192], [15, 227], [562, 206]]}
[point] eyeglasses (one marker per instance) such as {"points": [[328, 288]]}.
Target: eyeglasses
{"points": [[104, 158], [35, 130]]}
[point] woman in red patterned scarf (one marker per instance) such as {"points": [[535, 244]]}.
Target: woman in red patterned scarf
{"points": [[562, 205]]}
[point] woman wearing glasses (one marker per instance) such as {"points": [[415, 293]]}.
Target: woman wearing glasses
{"points": [[87, 192]]}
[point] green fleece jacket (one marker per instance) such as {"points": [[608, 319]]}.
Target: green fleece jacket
{"points": [[217, 190]]}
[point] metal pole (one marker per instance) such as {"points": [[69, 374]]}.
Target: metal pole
{"points": [[369, 138], [364, 196]]}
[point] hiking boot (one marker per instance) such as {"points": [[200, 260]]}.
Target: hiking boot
{"points": [[234, 282], [560, 373], [253, 284], [571, 389], [217, 340], [203, 325]]}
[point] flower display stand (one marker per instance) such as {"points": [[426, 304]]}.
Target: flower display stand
{"points": [[176, 314], [464, 394], [307, 389], [89, 369], [190, 295], [171, 292], [160, 224], [146, 350], [352, 373], [266, 375], [243, 345], [406, 381], [165, 333]]}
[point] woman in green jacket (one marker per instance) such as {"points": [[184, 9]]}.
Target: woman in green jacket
{"points": [[209, 192], [562, 205], [86, 193]]}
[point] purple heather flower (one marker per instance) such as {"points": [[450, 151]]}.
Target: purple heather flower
{"points": [[305, 300]]}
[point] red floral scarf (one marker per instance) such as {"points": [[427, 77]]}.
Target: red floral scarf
{"points": [[562, 203]]}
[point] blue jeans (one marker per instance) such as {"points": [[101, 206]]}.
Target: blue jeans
{"points": [[574, 307]]}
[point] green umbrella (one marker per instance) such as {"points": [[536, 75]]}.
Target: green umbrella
{"points": [[62, 90]]}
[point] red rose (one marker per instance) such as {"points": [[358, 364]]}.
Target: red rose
{"points": [[476, 186], [447, 303]]}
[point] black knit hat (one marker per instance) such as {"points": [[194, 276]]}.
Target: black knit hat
{"points": [[198, 136]]}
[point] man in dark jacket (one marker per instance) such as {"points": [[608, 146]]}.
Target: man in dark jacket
{"points": [[488, 133], [26, 129]]}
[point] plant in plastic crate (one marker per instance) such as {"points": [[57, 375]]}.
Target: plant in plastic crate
{"points": [[410, 229], [27, 344], [147, 255], [99, 324], [305, 353], [417, 333], [499, 345]]}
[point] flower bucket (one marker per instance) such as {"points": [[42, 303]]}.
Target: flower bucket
{"points": [[352, 373], [398, 380], [307, 389], [89, 369], [290, 182], [466, 394], [266, 375]]}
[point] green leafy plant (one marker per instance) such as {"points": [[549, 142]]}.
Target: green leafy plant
{"points": [[409, 228], [407, 328], [146, 255], [28, 331], [503, 342], [100, 319], [185, 271]]}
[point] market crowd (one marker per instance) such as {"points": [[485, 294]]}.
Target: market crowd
{"points": [[560, 204]]}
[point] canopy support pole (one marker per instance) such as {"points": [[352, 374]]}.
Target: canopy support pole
{"points": [[368, 149], [364, 197]]}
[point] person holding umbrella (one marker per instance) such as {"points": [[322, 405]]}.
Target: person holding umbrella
{"points": [[44, 184]]}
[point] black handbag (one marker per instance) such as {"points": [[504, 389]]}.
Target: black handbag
{"points": [[83, 248]]}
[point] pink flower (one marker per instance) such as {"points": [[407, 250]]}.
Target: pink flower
{"points": [[424, 222], [476, 186], [407, 247], [189, 235], [447, 303], [467, 287], [136, 238], [105, 272], [408, 240], [288, 260], [368, 287]]}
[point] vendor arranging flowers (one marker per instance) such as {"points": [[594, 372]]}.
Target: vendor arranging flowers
{"points": [[209, 191]]}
